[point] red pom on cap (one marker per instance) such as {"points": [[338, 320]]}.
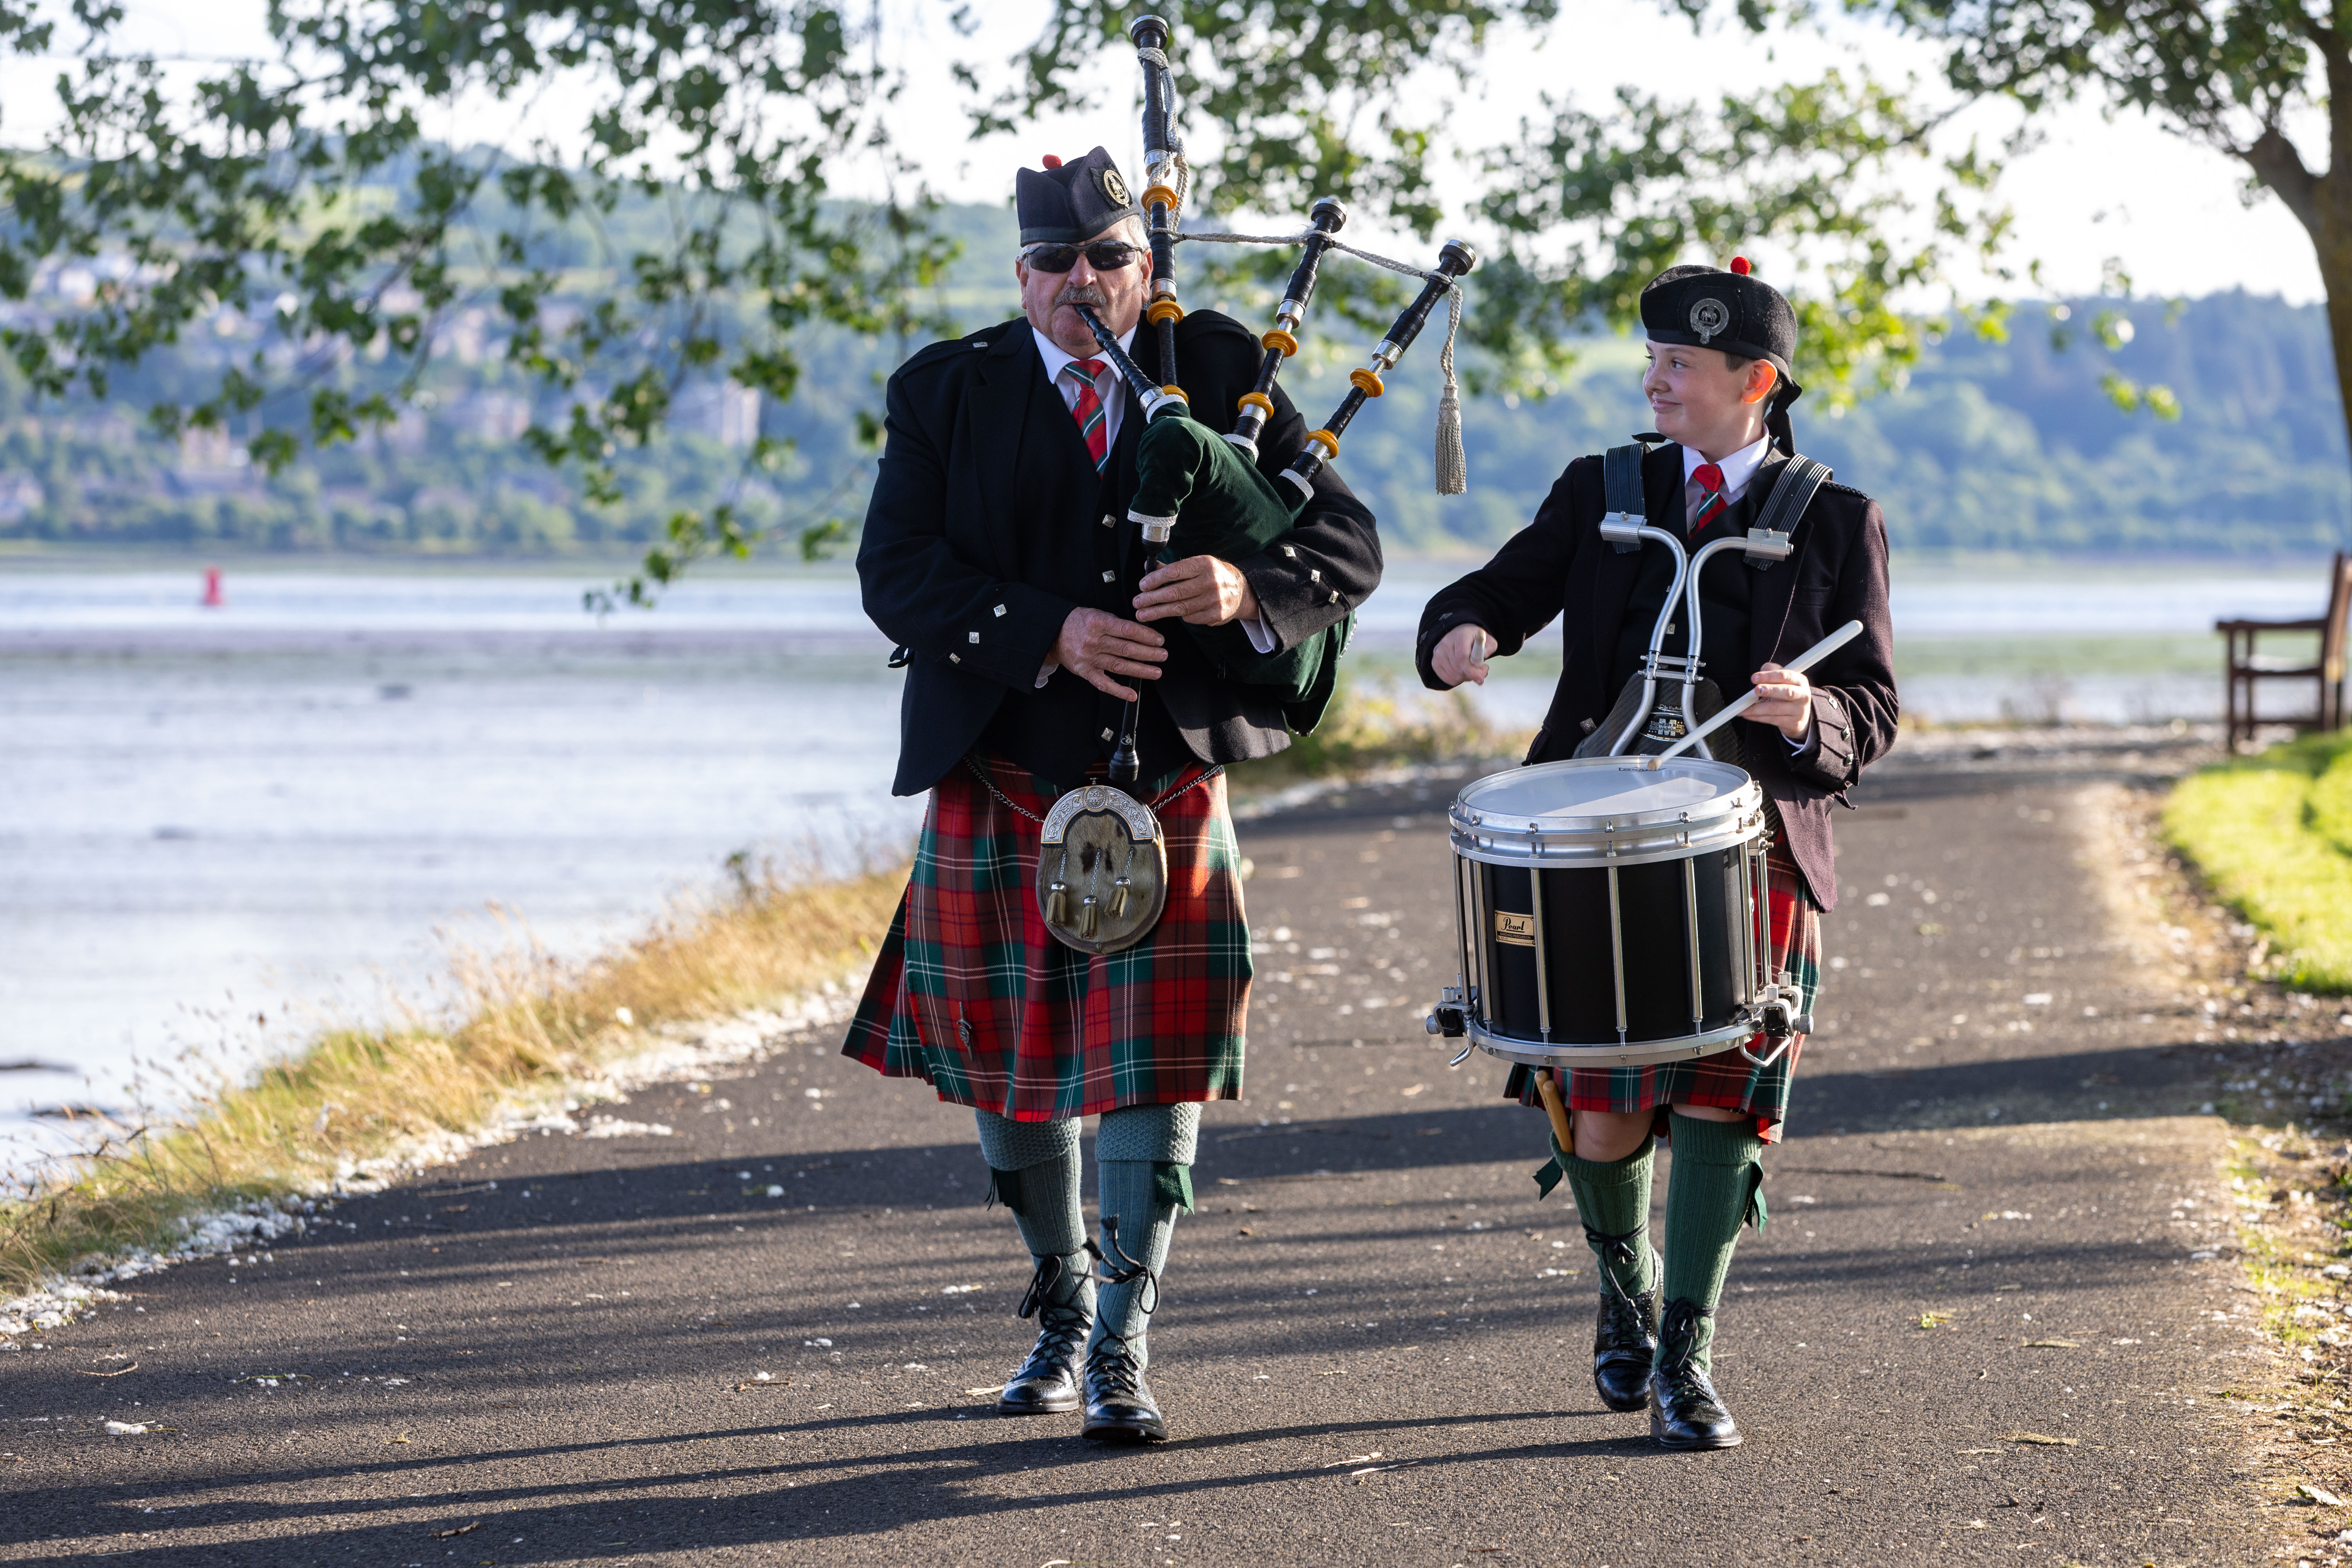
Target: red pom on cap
{"points": [[1054, 163], [1739, 264]]}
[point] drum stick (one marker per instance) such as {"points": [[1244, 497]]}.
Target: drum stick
{"points": [[1557, 1109], [1803, 661]]}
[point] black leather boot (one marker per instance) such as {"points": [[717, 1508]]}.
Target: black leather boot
{"points": [[1119, 1406], [1061, 1299], [1626, 1338], [1684, 1410], [1625, 1345]]}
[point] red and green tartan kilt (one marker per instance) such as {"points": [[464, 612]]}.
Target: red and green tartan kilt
{"points": [[1727, 1078], [972, 995]]}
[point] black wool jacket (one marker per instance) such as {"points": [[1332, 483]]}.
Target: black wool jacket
{"points": [[989, 525], [1559, 565]]}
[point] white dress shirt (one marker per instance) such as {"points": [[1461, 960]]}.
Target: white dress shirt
{"points": [[1112, 393], [1737, 468]]}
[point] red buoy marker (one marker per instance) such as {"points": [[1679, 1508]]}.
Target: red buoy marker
{"points": [[213, 598]]}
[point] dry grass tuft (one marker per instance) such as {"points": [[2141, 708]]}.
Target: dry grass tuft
{"points": [[1373, 724], [356, 1094]]}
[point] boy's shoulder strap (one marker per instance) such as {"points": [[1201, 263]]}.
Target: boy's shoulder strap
{"points": [[1800, 479], [1621, 484]]}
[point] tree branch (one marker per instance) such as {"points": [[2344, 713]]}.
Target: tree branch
{"points": [[2277, 162]]}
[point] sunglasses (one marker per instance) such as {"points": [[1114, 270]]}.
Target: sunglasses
{"points": [[1104, 256]]}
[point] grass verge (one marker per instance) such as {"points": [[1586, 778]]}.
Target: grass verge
{"points": [[2273, 836], [524, 1021]]}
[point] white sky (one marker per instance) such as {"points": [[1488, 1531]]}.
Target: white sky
{"points": [[2096, 188]]}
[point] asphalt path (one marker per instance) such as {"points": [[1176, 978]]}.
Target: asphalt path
{"points": [[761, 1337]]}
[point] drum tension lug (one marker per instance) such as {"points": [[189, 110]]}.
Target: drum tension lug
{"points": [[1446, 1018]]}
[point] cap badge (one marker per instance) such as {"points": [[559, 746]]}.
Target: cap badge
{"points": [[1113, 188], [1709, 317]]}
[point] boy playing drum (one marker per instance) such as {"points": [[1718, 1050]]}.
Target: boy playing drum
{"points": [[1719, 387]]}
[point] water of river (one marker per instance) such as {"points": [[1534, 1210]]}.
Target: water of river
{"points": [[220, 828]]}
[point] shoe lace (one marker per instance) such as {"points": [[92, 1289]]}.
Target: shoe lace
{"points": [[1111, 1367], [1114, 1361], [1061, 1325], [1621, 1250], [1679, 1343]]}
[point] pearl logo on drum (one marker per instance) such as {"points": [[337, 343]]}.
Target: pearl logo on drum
{"points": [[1520, 930]]}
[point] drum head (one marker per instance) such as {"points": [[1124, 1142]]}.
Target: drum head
{"points": [[1608, 808], [1602, 788]]}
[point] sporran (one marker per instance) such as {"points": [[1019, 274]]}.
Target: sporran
{"points": [[1102, 869]]}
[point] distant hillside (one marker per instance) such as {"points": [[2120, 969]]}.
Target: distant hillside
{"points": [[2010, 447], [1991, 447]]}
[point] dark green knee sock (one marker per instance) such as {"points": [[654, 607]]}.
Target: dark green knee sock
{"points": [[1034, 1171], [1716, 1188], [1613, 1197]]}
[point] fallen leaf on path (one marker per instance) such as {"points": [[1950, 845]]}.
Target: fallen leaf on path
{"points": [[2321, 1495], [461, 1530], [985, 1392], [2040, 1437], [2052, 1345], [395, 1439], [1353, 1459], [1980, 1451], [118, 1372], [1934, 1320]]}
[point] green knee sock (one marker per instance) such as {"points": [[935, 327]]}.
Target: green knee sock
{"points": [[1715, 1190], [1139, 1208], [1034, 1171], [1614, 1199]]}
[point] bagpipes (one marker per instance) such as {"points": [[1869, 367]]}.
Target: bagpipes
{"points": [[1102, 868], [1200, 493]]}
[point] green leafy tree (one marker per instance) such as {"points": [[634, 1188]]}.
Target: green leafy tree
{"points": [[2264, 81], [686, 220], [1583, 205], [302, 192]]}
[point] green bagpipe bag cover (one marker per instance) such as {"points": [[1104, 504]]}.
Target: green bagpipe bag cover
{"points": [[1225, 506]]}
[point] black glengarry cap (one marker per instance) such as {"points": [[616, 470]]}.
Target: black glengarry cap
{"points": [[1069, 203], [1734, 311]]}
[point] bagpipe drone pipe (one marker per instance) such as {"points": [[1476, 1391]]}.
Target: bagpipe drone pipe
{"points": [[1200, 492]]}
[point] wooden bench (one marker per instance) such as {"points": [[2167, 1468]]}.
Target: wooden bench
{"points": [[2245, 667]]}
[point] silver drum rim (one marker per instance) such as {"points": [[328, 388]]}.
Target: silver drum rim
{"points": [[1633, 838], [1536, 1054]]}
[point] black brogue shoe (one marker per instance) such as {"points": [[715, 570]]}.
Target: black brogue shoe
{"points": [[1684, 1410], [1119, 1406], [1047, 1383], [1625, 1345]]}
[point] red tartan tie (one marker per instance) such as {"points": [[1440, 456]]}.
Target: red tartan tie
{"points": [[1088, 409], [1708, 502]]}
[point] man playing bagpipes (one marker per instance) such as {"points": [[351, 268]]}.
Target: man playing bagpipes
{"points": [[1724, 463], [1046, 641]]}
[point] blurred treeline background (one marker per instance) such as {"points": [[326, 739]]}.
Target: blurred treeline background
{"points": [[2007, 445]]}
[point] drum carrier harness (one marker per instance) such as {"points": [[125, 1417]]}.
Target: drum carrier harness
{"points": [[1625, 525]]}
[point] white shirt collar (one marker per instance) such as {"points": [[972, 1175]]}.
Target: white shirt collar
{"points": [[1737, 468], [1055, 356]]}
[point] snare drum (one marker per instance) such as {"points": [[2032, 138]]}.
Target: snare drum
{"points": [[1610, 910]]}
